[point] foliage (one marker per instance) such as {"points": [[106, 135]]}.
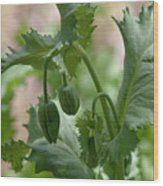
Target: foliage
{"points": [[145, 153], [59, 159], [11, 81], [33, 125], [28, 171], [35, 49], [14, 152], [135, 98], [90, 140]]}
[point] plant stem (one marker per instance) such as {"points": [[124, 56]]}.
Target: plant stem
{"points": [[45, 81], [119, 170], [110, 103], [64, 79], [104, 105]]}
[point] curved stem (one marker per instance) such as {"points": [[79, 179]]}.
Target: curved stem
{"points": [[64, 79], [110, 103], [105, 108], [86, 59]]}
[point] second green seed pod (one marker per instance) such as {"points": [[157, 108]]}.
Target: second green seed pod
{"points": [[69, 99]]}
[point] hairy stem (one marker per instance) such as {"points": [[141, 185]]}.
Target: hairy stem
{"points": [[105, 108]]}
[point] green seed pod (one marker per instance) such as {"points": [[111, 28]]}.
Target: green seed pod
{"points": [[49, 120], [69, 99]]}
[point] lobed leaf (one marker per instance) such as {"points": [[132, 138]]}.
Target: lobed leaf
{"points": [[28, 171], [145, 153], [7, 130], [93, 139], [58, 159], [71, 60], [33, 53], [85, 17], [32, 126], [118, 149], [86, 127], [67, 131], [10, 81], [14, 152], [135, 100], [74, 17], [76, 25], [76, 22], [122, 144], [68, 31]]}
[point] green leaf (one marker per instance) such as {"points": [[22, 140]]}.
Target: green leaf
{"points": [[68, 22], [10, 81], [7, 131], [85, 17], [59, 159], [14, 152], [76, 25], [101, 140], [110, 169], [140, 108], [22, 29], [85, 125], [28, 171], [33, 53], [118, 149], [33, 125], [71, 60], [76, 22], [124, 142], [145, 153], [92, 138], [67, 132], [135, 100]]}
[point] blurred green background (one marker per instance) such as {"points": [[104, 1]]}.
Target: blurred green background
{"points": [[21, 85]]}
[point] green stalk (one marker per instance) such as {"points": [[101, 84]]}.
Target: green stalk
{"points": [[119, 169], [104, 105], [45, 81], [64, 79], [110, 103], [45, 92], [46, 63], [48, 58]]}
